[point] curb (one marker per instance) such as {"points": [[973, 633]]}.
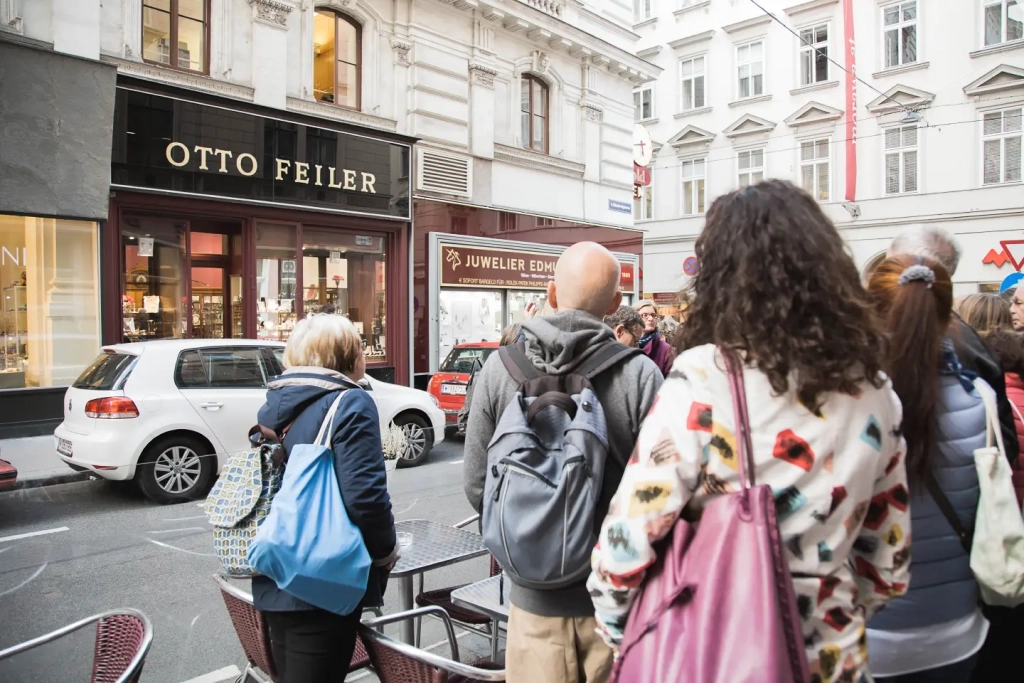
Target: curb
{"points": [[69, 478]]}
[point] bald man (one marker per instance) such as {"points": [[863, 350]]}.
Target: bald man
{"points": [[551, 633]]}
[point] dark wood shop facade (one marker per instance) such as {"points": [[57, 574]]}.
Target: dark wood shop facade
{"points": [[231, 221]]}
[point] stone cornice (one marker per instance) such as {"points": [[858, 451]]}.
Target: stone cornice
{"points": [[271, 12], [536, 160], [551, 33], [180, 79], [335, 113]]}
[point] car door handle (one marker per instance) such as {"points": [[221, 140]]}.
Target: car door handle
{"points": [[213, 405]]}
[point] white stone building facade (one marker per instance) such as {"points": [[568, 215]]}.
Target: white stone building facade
{"points": [[938, 121], [448, 73]]}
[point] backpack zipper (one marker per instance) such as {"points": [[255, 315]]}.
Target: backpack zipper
{"points": [[526, 470], [501, 519]]}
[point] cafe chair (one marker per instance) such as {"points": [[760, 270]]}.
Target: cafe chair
{"points": [[123, 638], [470, 619], [397, 662], [254, 635]]}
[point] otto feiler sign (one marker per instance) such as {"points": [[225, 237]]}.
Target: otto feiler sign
{"points": [[166, 144]]}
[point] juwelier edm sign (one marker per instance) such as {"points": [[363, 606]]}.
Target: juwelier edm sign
{"points": [[172, 145]]}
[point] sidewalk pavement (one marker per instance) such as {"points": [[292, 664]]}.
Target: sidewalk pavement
{"points": [[36, 459]]}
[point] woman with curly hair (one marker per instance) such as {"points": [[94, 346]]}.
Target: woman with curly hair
{"points": [[935, 631], [777, 287]]}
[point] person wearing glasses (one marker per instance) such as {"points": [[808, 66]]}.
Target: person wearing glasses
{"points": [[651, 343]]}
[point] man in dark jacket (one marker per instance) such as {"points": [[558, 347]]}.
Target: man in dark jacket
{"points": [[551, 633], [310, 643], [974, 354]]}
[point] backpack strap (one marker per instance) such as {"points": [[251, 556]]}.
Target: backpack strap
{"points": [[605, 358], [518, 365], [966, 537]]}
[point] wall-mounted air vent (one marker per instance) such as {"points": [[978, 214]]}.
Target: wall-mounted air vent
{"points": [[442, 172]]}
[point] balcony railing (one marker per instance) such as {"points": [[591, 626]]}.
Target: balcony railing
{"points": [[552, 7]]}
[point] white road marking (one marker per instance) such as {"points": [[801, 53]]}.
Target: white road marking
{"points": [[171, 531], [184, 519], [228, 672], [455, 462], [26, 581], [30, 534], [194, 621], [180, 550]]}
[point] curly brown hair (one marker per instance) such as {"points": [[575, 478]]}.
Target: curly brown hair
{"points": [[776, 282]]}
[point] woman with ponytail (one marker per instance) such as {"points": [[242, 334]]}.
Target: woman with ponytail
{"points": [[934, 632]]}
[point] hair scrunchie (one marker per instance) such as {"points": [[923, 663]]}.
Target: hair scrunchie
{"points": [[917, 273]]}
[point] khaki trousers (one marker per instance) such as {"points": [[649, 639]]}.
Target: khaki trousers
{"points": [[555, 650]]}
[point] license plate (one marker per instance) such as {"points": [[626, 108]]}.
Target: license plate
{"points": [[64, 447], [457, 389]]}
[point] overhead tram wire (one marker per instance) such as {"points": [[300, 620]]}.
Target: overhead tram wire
{"points": [[902, 107]]}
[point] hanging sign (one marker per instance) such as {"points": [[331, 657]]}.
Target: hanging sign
{"points": [[146, 246], [335, 257], [364, 241], [641, 175], [851, 103], [643, 148], [626, 277]]}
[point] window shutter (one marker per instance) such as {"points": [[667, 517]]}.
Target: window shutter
{"points": [[910, 136], [1013, 159], [806, 151], [892, 173], [910, 171], [892, 138], [993, 162], [994, 123], [807, 178], [823, 176]]}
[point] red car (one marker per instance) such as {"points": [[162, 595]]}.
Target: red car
{"points": [[449, 383], [8, 476]]}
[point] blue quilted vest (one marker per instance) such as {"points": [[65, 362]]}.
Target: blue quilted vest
{"points": [[942, 586]]}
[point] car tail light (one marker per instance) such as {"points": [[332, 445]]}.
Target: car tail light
{"points": [[111, 408]]}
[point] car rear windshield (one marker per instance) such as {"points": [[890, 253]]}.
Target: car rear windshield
{"points": [[461, 360], [107, 372]]}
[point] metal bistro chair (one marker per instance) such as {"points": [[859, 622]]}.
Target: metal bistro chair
{"points": [[254, 634], [397, 662], [442, 597], [123, 638]]}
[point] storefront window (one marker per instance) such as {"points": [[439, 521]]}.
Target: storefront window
{"points": [[49, 278], [275, 280], [154, 289], [468, 316], [216, 263], [344, 273], [518, 301]]}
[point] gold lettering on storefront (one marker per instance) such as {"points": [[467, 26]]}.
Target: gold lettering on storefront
{"points": [[178, 155]]}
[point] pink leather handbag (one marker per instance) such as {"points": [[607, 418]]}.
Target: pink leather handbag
{"points": [[718, 605]]}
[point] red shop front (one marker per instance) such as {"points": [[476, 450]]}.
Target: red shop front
{"points": [[230, 223]]}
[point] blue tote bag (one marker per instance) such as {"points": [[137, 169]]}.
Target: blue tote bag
{"points": [[307, 544]]}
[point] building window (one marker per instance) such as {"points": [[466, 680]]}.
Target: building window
{"points": [[507, 221], [815, 168], [174, 33], [751, 167], [693, 187], [1004, 21], [534, 105], [337, 55], [459, 225], [642, 10], [643, 102], [545, 222], [692, 75], [50, 293], [901, 160], [900, 27], [750, 70], [814, 55], [1001, 138], [643, 202]]}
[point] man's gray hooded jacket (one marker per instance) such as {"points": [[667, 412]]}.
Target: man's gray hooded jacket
{"points": [[557, 344]]}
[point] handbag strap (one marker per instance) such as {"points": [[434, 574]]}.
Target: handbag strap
{"points": [[737, 387], [326, 433], [965, 536], [992, 428]]}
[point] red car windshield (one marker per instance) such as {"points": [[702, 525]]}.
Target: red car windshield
{"points": [[461, 360]]}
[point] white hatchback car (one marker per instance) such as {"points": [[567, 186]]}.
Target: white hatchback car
{"points": [[153, 411]]}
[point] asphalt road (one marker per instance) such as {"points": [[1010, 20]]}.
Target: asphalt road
{"points": [[109, 547]]}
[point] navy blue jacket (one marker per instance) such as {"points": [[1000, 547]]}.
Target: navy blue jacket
{"points": [[301, 397]]}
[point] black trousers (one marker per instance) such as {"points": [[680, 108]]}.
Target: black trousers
{"points": [[312, 646]]}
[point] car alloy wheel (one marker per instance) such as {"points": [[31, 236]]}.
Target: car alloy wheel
{"points": [[415, 441], [177, 469], [419, 438]]}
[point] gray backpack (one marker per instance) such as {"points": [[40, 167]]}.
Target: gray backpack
{"points": [[545, 470]]}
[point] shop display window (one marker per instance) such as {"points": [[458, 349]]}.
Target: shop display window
{"points": [[468, 316], [153, 299], [344, 273], [276, 281], [49, 280], [519, 300]]}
